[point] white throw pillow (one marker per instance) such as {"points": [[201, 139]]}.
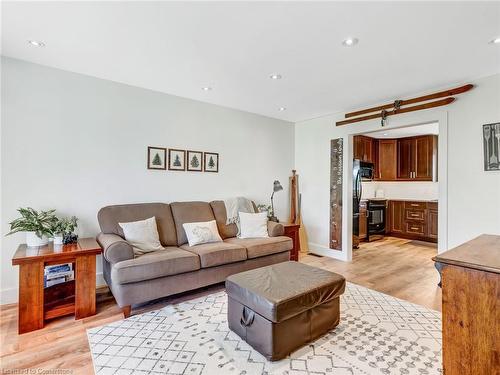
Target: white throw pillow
{"points": [[142, 235], [202, 232], [253, 225]]}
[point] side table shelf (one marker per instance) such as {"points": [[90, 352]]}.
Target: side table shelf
{"points": [[38, 304]]}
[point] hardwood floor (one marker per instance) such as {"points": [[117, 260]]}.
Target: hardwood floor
{"points": [[398, 267]]}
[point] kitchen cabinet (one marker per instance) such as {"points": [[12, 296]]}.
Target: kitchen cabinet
{"points": [[363, 220], [401, 159], [396, 217], [417, 158], [363, 148], [405, 158], [413, 220], [386, 160], [433, 220]]}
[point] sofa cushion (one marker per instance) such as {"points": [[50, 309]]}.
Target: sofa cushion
{"points": [[161, 263], [218, 253], [110, 216], [259, 247], [225, 230], [189, 212]]}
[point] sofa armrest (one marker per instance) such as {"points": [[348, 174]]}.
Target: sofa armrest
{"points": [[275, 229], [115, 248]]}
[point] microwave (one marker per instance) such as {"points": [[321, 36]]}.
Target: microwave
{"points": [[365, 169]]}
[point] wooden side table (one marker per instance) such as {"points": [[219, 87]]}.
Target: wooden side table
{"points": [[292, 231], [38, 304]]}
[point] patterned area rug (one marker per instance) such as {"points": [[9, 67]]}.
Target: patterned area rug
{"points": [[377, 334]]}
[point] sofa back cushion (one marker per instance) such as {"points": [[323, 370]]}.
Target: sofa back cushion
{"points": [[189, 212], [110, 216], [225, 230]]}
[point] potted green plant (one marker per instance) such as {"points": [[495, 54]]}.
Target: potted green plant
{"points": [[68, 229], [58, 231], [37, 225]]}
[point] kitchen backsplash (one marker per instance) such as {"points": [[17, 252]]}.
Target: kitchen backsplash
{"points": [[401, 190]]}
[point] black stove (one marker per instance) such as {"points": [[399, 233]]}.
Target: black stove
{"points": [[376, 216]]}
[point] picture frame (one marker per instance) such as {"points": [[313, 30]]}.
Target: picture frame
{"points": [[491, 146], [157, 158], [176, 159], [194, 161], [211, 162]]}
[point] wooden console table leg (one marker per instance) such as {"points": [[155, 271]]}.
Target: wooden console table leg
{"points": [[85, 300], [30, 297]]}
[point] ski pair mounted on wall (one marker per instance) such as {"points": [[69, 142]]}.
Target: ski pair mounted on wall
{"points": [[395, 108]]}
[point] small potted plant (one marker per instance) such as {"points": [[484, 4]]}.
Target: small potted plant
{"points": [[58, 231], [37, 225], [68, 229]]}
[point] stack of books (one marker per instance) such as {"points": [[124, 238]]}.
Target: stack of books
{"points": [[58, 274]]}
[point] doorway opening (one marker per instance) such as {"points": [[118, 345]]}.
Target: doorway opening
{"points": [[396, 188]]}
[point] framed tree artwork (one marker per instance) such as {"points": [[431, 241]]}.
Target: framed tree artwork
{"points": [[176, 160], [195, 161], [211, 162], [157, 158]]}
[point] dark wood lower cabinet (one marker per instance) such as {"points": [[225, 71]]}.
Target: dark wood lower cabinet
{"points": [[413, 220], [396, 217], [363, 221]]}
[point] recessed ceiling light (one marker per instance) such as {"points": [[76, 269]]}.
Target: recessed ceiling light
{"points": [[36, 43], [281, 109], [275, 76], [495, 41], [206, 88], [385, 134], [349, 42]]}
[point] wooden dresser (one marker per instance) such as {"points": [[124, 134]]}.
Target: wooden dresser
{"points": [[471, 309]]}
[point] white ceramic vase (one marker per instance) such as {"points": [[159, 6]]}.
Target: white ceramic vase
{"points": [[58, 239], [32, 240]]}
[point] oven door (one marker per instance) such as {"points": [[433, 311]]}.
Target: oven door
{"points": [[376, 219]]}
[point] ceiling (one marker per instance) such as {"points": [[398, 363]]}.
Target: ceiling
{"points": [[409, 131], [178, 48]]}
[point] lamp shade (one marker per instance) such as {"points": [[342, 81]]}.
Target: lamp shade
{"points": [[277, 186]]}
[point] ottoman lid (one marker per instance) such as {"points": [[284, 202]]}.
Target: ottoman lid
{"points": [[283, 290]]}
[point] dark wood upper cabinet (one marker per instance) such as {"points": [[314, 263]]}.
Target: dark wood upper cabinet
{"points": [[386, 160], [417, 158], [425, 158], [405, 158], [363, 148], [402, 159]]}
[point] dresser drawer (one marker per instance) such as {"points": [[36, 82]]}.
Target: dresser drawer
{"points": [[415, 228], [416, 205], [416, 215]]}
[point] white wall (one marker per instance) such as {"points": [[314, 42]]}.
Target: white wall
{"points": [[473, 199], [77, 143], [417, 190]]}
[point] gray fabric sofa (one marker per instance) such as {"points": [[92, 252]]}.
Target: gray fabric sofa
{"points": [[179, 267]]}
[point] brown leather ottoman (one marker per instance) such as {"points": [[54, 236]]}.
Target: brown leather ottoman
{"points": [[279, 308]]}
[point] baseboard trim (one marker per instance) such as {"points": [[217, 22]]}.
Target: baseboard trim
{"points": [[10, 295], [318, 249]]}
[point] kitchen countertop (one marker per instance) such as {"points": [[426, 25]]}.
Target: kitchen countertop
{"points": [[401, 199]]}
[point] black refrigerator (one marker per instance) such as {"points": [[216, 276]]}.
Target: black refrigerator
{"points": [[361, 171]]}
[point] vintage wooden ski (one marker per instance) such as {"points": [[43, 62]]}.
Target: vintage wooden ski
{"points": [[437, 95], [436, 103]]}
